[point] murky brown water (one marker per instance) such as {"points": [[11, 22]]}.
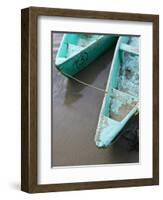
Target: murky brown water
{"points": [[75, 113]]}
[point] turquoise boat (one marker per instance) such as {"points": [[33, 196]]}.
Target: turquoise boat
{"points": [[76, 51], [120, 102]]}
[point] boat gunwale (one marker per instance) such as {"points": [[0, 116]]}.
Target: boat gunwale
{"points": [[96, 138], [110, 75]]}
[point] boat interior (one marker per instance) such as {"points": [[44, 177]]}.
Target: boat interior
{"points": [[123, 91]]}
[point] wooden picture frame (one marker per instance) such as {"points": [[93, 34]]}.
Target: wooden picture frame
{"points": [[29, 172]]}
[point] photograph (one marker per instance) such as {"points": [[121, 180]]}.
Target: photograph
{"points": [[95, 99]]}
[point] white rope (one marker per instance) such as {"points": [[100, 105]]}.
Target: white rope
{"points": [[83, 83]]}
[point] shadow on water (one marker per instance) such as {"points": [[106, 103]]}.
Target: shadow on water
{"points": [[127, 142]]}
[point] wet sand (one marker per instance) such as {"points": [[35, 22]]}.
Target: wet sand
{"points": [[75, 112]]}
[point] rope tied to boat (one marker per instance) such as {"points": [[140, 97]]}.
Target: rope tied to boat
{"points": [[84, 83]]}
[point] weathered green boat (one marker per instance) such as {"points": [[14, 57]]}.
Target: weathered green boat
{"points": [[121, 100], [76, 51]]}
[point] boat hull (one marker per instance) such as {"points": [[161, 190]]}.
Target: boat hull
{"points": [[77, 62], [112, 118]]}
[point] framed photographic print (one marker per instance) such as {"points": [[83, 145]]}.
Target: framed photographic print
{"points": [[90, 99]]}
